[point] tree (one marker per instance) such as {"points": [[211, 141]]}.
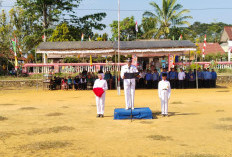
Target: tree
{"points": [[25, 29], [48, 11], [149, 25], [5, 38], [169, 14], [61, 33], [127, 29], [85, 25]]}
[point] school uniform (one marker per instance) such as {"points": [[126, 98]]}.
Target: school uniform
{"points": [[181, 78], [129, 85], [172, 77], [149, 80], [200, 79], [192, 80], [100, 101], [213, 80], [207, 78], [155, 80], [164, 92]]}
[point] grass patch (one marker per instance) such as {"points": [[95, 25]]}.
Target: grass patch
{"points": [[6, 135], [45, 145], [55, 114], [177, 102], [7, 104], [64, 107], [28, 108], [197, 155], [146, 122], [226, 119], [3, 118], [224, 127], [50, 130], [223, 91], [159, 137]]}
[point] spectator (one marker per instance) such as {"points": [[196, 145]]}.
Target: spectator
{"points": [[208, 77], [149, 79], [192, 79], [172, 76], [181, 78], [70, 83], [76, 82], [155, 79], [214, 78]]}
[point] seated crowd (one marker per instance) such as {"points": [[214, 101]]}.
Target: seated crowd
{"points": [[148, 79]]}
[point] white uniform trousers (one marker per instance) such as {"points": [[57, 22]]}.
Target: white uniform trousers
{"points": [[101, 103], [129, 95], [164, 102]]}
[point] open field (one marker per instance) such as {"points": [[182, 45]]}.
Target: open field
{"points": [[63, 124]]}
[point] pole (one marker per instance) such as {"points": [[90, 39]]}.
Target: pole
{"points": [[118, 87], [196, 73]]}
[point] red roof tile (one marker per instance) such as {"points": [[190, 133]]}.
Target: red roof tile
{"points": [[211, 48], [228, 30]]}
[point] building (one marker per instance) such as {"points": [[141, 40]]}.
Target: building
{"points": [[226, 40], [212, 48]]}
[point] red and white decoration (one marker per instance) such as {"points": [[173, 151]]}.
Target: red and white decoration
{"points": [[204, 47], [136, 27]]}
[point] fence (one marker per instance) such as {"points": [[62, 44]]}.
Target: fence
{"points": [[32, 68]]}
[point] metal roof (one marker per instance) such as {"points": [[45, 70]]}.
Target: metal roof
{"points": [[124, 45]]}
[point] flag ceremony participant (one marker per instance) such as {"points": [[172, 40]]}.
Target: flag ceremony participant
{"points": [[99, 88], [181, 78], [164, 91], [129, 84]]}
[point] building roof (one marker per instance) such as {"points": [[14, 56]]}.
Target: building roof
{"points": [[125, 45], [226, 34], [92, 45], [76, 45], [228, 30], [212, 48]]}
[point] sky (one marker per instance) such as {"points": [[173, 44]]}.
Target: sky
{"points": [[207, 16]]}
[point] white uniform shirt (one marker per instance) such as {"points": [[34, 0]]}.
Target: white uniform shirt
{"points": [[181, 75], [127, 69], [100, 84], [164, 86]]}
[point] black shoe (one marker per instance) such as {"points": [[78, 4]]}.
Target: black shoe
{"points": [[166, 115], [98, 115], [102, 115], [163, 115]]}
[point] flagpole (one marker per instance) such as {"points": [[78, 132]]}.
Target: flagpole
{"points": [[118, 88]]}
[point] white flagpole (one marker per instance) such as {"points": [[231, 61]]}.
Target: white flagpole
{"points": [[118, 88]]}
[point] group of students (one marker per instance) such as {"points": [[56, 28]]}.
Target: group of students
{"points": [[181, 79], [80, 82]]}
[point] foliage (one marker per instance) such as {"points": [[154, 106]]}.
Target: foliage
{"points": [[61, 33], [85, 25], [127, 29], [170, 14], [149, 26]]}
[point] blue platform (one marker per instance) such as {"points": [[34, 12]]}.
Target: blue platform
{"points": [[137, 113]]}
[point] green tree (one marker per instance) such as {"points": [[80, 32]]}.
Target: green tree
{"points": [[25, 29], [61, 33], [48, 11], [169, 14], [127, 29], [149, 26], [5, 38]]}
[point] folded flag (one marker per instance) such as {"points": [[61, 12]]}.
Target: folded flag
{"points": [[98, 91]]}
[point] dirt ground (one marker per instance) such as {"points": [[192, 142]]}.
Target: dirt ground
{"points": [[64, 124]]}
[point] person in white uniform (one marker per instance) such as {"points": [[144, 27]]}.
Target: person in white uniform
{"points": [[129, 84], [164, 91], [100, 101]]}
